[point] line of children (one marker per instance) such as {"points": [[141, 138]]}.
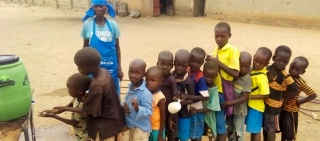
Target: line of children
{"points": [[260, 93]]}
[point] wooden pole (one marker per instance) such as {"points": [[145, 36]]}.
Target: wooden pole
{"points": [[57, 3], [71, 4]]}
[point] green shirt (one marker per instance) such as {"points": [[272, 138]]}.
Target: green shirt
{"points": [[213, 104]]}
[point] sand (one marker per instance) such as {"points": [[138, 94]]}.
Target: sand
{"points": [[46, 39]]}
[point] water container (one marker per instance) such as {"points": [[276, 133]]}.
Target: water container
{"points": [[15, 91]]}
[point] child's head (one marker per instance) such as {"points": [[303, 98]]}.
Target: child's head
{"points": [[281, 57], [137, 69], [87, 59], [222, 33], [261, 58], [197, 58], [165, 61], [298, 66], [77, 85], [245, 63], [210, 71], [154, 76], [182, 61]]}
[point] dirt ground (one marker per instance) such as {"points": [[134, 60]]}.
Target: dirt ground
{"points": [[46, 40]]}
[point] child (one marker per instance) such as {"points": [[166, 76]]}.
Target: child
{"points": [[170, 91], [242, 88], [210, 72], [289, 114], [259, 92], [154, 78], [102, 105], [279, 81], [201, 93], [185, 85], [77, 84], [137, 104], [227, 57]]}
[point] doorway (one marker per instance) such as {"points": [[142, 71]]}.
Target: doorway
{"points": [[199, 8], [166, 7]]}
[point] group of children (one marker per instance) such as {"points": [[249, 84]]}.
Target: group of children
{"points": [[233, 90]]}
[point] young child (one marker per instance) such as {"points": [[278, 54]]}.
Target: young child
{"points": [[289, 114], [242, 88], [102, 105], [137, 104], [259, 92], [227, 57], [170, 91], [185, 85], [279, 81], [77, 85], [154, 78], [210, 72], [201, 93]]}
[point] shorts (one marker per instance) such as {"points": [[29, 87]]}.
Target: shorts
{"points": [[270, 122], [197, 126], [169, 133], [254, 121], [236, 123], [136, 134], [288, 125], [184, 129], [154, 135], [220, 117]]}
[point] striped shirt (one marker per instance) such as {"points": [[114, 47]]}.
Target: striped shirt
{"points": [[292, 106]]}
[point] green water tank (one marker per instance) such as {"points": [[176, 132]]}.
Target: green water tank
{"points": [[15, 91]]}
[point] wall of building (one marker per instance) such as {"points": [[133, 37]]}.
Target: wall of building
{"points": [[296, 13], [183, 7]]}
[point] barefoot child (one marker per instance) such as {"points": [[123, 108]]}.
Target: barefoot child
{"points": [[102, 105], [259, 92], [242, 88], [137, 104], [185, 86], [279, 81], [210, 72], [289, 114], [154, 76], [170, 91], [201, 93], [77, 85]]}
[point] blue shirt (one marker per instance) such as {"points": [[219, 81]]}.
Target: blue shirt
{"points": [[140, 119]]}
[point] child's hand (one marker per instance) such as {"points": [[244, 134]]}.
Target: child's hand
{"points": [[59, 109], [193, 111], [210, 58], [184, 97], [224, 105], [46, 113], [134, 103], [125, 108], [120, 74], [160, 138], [171, 125]]}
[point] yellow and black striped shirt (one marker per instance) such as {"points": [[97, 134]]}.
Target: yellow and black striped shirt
{"points": [[292, 106]]}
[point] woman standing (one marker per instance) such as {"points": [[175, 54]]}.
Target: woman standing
{"points": [[103, 35]]}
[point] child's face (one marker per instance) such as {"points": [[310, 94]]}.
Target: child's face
{"points": [[260, 61], [196, 61], [136, 74], [221, 36], [281, 60], [75, 93], [166, 64], [153, 81], [244, 66], [85, 70], [297, 68], [210, 75], [181, 66]]}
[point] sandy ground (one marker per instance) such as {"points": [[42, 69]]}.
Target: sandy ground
{"points": [[47, 38]]}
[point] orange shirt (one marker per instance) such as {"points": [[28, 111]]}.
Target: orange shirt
{"points": [[155, 117]]}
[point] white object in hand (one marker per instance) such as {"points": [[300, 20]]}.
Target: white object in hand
{"points": [[174, 107]]}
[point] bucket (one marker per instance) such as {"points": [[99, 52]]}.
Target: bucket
{"points": [[15, 91]]}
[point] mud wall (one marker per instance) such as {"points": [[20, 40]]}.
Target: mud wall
{"points": [[183, 7], [295, 13]]}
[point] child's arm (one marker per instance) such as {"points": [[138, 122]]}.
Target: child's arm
{"points": [[190, 89], [233, 72], [307, 90], [194, 97], [162, 107], [66, 121], [243, 98], [258, 97], [194, 111], [144, 108], [174, 87], [292, 89], [65, 108]]}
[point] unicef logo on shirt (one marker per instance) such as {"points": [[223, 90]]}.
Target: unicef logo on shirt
{"points": [[106, 61]]}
